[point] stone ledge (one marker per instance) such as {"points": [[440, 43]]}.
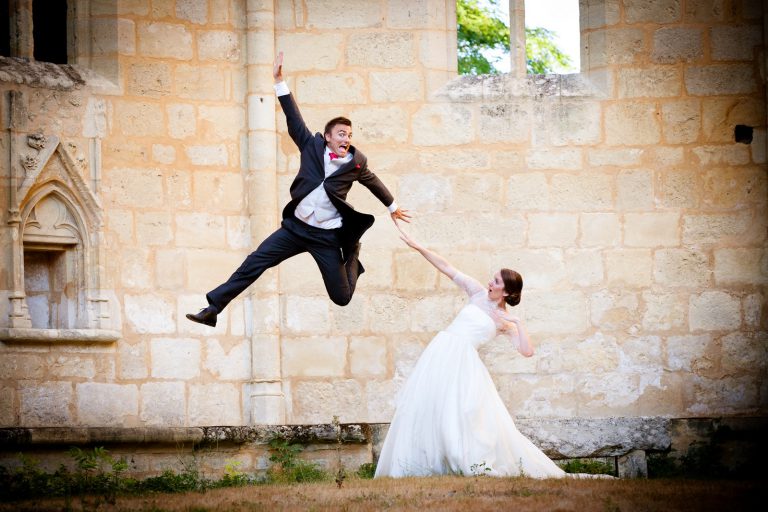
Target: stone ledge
{"points": [[59, 336]]}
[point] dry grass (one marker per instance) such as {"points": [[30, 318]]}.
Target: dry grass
{"points": [[453, 494]]}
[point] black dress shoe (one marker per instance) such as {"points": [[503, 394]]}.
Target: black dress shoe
{"points": [[206, 316]]}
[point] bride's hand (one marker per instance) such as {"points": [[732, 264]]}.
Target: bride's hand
{"points": [[406, 238]]}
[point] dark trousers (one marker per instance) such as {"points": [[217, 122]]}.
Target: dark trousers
{"points": [[292, 238]]}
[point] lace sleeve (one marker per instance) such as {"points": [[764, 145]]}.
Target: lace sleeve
{"points": [[469, 285]]}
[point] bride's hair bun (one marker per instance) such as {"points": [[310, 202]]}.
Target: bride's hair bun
{"points": [[513, 286]]}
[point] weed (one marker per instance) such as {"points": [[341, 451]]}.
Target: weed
{"points": [[480, 469], [366, 470], [288, 468]]}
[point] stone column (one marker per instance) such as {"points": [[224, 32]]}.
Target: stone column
{"points": [[264, 391], [22, 40], [517, 38]]}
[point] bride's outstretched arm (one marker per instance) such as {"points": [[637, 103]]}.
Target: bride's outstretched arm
{"points": [[435, 259]]}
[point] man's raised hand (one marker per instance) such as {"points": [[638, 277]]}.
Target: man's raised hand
{"points": [[277, 68]]}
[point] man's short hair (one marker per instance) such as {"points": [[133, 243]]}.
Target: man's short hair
{"points": [[333, 122]]}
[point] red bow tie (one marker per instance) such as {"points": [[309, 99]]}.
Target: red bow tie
{"points": [[333, 155]]}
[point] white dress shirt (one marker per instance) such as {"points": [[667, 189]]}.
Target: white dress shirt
{"points": [[316, 209]]}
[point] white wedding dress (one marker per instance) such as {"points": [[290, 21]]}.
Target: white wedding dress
{"points": [[449, 418]]}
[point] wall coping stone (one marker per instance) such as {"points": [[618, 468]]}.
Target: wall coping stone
{"points": [[59, 336]]}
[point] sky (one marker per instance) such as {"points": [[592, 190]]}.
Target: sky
{"points": [[539, 13]]}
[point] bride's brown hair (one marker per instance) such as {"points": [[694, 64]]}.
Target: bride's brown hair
{"points": [[513, 286]]}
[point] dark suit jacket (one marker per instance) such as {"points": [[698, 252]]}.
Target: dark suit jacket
{"points": [[337, 185]]}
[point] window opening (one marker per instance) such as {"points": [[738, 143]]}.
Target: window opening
{"points": [[49, 21], [5, 28]]}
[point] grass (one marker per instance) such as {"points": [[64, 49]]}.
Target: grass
{"points": [[448, 494]]}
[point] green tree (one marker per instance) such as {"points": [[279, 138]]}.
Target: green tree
{"points": [[480, 31]]}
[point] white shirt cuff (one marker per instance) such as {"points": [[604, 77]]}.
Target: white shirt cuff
{"points": [[393, 207], [281, 89]]}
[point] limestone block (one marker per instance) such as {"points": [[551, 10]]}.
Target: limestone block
{"points": [[477, 192], [163, 154], [417, 14], [218, 191], [132, 361], [619, 157], [706, 11], [306, 314], [720, 79], [164, 40], [389, 313], [380, 125], [758, 146], [8, 414], [528, 191], [599, 14], [149, 79], [228, 361], [405, 354], [735, 42], [634, 189], [614, 310], [207, 155], [744, 353], [555, 158], [663, 311], [661, 11], [218, 45], [138, 119], [442, 125], [682, 121], [314, 357], [741, 265], [266, 362], [558, 229], [725, 228], [660, 229], [330, 89], [584, 267], [215, 404], [677, 44], [238, 232], [182, 121], [633, 465], [690, 353], [540, 268], [411, 274], [568, 307], [736, 154], [664, 156], [615, 46], [678, 189], [581, 192], [100, 404], [632, 123], [506, 122], [135, 269], [432, 314], [200, 82], [238, 316], [368, 356], [565, 123], [149, 314], [753, 306], [547, 397], [45, 404], [103, 40], [336, 14], [352, 318], [735, 186], [305, 276], [609, 394], [721, 115], [599, 229], [136, 187], [301, 50], [424, 192], [192, 10], [163, 404], [221, 122], [153, 228], [380, 396], [714, 311], [200, 230], [63, 366], [175, 358], [21, 366], [319, 402], [628, 267], [170, 267], [650, 82], [432, 55], [395, 86], [642, 355], [682, 267], [727, 395], [382, 50]]}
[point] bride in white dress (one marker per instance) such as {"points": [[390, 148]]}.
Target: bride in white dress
{"points": [[449, 418]]}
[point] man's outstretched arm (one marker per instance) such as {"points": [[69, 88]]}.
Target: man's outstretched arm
{"points": [[297, 128]]}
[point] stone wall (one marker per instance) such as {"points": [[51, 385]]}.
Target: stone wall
{"points": [[637, 221]]}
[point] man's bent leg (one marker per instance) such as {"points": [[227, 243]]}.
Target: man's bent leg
{"points": [[339, 278], [279, 246]]}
